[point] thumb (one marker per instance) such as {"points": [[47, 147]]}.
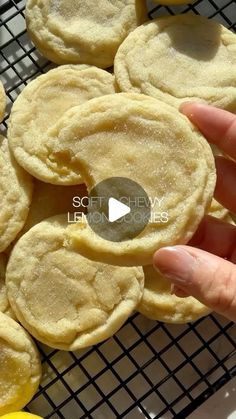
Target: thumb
{"points": [[207, 277]]}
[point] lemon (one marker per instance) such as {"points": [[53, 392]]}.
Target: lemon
{"points": [[20, 415]]}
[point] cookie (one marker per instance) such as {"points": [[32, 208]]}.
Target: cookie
{"points": [[2, 101], [139, 138], [63, 299], [218, 211], [82, 31], [49, 200], [40, 105], [159, 304], [15, 196], [180, 58], [20, 367]]}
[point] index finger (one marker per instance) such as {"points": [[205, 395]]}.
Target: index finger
{"points": [[217, 125]]}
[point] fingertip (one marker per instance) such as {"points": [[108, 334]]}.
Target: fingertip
{"points": [[185, 107], [189, 108], [162, 262], [161, 258], [174, 262], [208, 278]]}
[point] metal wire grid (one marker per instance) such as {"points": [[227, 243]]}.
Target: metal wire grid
{"points": [[148, 369]]}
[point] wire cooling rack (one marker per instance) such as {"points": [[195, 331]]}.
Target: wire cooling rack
{"points": [[148, 369]]}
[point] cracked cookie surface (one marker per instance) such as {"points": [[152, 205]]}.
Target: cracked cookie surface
{"points": [[40, 105], [180, 58], [140, 138], [85, 31], [63, 299]]}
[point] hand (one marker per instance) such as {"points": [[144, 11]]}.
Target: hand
{"points": [[209, 277]]}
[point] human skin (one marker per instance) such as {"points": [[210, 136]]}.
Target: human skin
{"points": [[206, 267]]}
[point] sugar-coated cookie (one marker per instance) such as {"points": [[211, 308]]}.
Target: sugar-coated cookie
{"points": [[180, 58], [142, 139], [20, 367], [15, 196], [82, 31], [40, 105], [159, 304], [64, 300]]}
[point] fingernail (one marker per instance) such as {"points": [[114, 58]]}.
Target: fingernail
{"points": [[175, 263], [184, 105], [192, 106]]}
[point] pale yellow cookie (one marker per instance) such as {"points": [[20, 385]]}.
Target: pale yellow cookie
{"points": [[64, 300], [40, 105], [20, 368], [180, 58], [15, 196], [2, 101], [217, 210], [84, 31], [142, 139], [158, 303], [49, 200]]}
